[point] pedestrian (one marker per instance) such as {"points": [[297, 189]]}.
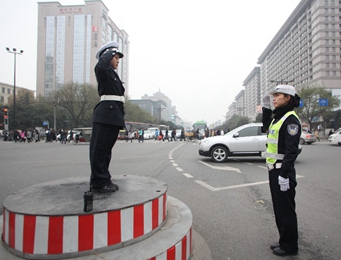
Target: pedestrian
{"points": [[108, 117], [130, 136], [182, 135], [317, 135], [166, 136], [284, 131], [173, 134]]}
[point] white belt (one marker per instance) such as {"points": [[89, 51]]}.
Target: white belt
{"points": [[274, 166], [273, 155], [113, 98]]}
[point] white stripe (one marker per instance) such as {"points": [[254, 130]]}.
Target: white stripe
{"points": [[127, 224], [188, 245], [19, 229], [100, 230], [160, 209], [174, 164], [41, 235], [6, 226], [162, 256], [188, 175], [178, 251], [147, 221], [70, 234], [179, 169]]}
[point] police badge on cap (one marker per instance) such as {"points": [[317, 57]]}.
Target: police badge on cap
{"points": [[110, 45]]}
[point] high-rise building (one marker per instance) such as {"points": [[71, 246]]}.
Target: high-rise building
{"points": [[307, 48], [68, 39]]}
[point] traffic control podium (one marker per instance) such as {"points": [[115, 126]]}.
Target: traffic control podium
{"points": [[139, 221]]}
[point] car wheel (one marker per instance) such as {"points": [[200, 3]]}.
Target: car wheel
{"points": [[302, 141], [309, 143], [219, 154]]}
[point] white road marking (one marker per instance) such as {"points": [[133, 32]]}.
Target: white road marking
{"points": [[188, 175], [174, 164], [179, 169], [204, 184], [224, 168]]}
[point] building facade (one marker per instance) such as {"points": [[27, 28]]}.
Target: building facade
{"points": [[68, 39], [306, 50], [164, 112], [252, 94], [7, 91]]}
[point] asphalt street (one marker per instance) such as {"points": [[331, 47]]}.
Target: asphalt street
{"points": [[230, 202]]}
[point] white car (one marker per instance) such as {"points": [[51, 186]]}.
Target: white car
{"points": [[148, 134], [246, 140], [335, 138], [307, 137]]}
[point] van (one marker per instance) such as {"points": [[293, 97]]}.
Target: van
{"points": [[153, 129]]}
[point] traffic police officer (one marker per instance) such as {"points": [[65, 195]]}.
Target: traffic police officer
{"points": [[108, 117], [284, 131]]}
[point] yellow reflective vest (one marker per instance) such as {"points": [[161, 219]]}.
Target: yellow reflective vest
{"points": [[271, 153]]}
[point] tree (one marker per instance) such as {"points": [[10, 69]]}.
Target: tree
{"points": [[78, 100], [235, 121], [311, 108], [134, 113]]}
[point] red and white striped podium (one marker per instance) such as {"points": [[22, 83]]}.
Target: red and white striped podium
{"points": [[46, 221]]}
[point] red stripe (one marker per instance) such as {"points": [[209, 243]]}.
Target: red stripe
{"points": [[171, 253], [11, 230], [183, 247], [3, 224], [138, 221], [29, 233], [153, 258], [114, 227], [164, 206], [85, 232], [155, 213], [55, 236]]}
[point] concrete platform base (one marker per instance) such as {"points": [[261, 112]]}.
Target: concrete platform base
{"points": [[47, 221]]}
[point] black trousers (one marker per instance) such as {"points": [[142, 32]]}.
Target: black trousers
{"points": [[285, 211], [103, 139]]}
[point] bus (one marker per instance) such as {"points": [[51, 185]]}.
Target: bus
{"points": [[201, 125]]}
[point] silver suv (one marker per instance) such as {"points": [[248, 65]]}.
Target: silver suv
{"points": [[246, 140]]}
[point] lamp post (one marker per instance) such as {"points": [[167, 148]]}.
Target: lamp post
{"points": [[15, 52]]}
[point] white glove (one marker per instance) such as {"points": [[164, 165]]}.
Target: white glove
{"points": [[284, 183], [266, 102]]}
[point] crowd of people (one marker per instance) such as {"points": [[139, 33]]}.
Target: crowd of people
{"points": [[50, 135]]}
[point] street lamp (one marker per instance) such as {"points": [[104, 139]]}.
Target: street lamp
{"points": [[15, 52]]}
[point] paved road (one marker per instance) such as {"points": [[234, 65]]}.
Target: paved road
{"points": [[230, 202]]}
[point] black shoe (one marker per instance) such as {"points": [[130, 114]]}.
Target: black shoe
{"points": [[110, 187], [280, 252], [274, 245]]}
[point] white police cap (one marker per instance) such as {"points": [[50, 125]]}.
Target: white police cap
{"points": [[285, 89], [109, 45]]}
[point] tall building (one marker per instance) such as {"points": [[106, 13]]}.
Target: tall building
{"points": [[68, 39], [306, 50], [165, 112], [252, 94]]}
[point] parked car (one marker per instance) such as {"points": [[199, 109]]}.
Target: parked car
{"points": [[307, 137], [246, 140], [148, 134], [335, 138]]}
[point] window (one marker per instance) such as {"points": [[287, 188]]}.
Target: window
{"points": [[327, 65], [2, 99], [3, 90], [334, 65], [334, 73], [327, 49], [327, 57], [249, 131], [327, 73], [8, 91]]}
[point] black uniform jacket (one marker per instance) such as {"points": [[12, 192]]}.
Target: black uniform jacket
{"points": [[108, 112], [288, 139]]}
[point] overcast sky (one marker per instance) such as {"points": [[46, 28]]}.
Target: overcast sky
{"points": [[196, 52]]}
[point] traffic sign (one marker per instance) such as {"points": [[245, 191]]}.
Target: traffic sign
{"points": [[323, 102], [301, 103]]}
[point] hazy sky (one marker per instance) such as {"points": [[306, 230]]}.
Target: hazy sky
{"points": [[196, 52]]}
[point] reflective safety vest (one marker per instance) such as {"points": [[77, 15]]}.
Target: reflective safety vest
{"points": [[271, 153]]}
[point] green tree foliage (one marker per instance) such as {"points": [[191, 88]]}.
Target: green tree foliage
{"points": [[333, 119], [78, 100], [311, 107], [235, 121], [134, 113]]}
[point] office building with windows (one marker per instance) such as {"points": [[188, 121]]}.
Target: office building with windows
{"points": [[68, 39], [306, 50]]}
